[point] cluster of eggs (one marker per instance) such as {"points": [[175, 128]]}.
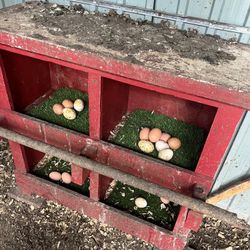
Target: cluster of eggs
{"points": [[162, 142], [64, 177], [68, 108], [142, 203]]}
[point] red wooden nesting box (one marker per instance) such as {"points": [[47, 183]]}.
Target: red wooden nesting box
{"points": [[31, 69]]}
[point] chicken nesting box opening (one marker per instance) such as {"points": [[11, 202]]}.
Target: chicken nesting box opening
{"points": [[126, 109], [48, 91], [142, 204], [59, 172]]}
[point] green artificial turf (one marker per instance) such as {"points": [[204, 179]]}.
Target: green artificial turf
{"points": [[55, 164], [44, 110], [192, 137], [123, 197]]}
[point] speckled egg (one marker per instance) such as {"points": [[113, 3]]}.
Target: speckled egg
{"points": [[154, 135], [66, 178], [174, 143], [78, 105], [68, 104], [140, 202], [164, 200], [69, 114], [166, 154], [160, 145], [55, 176], [146, 146], [58, 109], [165, 137], [144, 134]]}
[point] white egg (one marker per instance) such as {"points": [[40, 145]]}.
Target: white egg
{"points": [[79, 105], [146, 146], [160, 145], [69, 114], [140, 202], [166, 154]]}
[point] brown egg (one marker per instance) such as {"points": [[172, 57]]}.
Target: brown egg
{"points": [[154, 135], [164, 200], [55, 176], [165, 137], [144, 134], [66, 178], [174, 143], [58, 109], [68, 104]]}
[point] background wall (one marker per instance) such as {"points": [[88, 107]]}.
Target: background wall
{"points": [[7, 3], [236, 168]]}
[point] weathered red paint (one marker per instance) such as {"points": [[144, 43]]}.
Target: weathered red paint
{"points": [[179, 227], [19, 157], [78, 174], [31, 70], [222, 131], [190, 112], [94, 190], [67, 77], [22, 82], [193, 220], [6, 100], [95, 92]]}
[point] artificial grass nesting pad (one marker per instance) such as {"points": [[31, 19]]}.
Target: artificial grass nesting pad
{"points": [[55, 164], [192, 138], [123, 197], [44, 110]]}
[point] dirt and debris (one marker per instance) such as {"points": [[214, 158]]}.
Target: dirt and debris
{"points": [[155, 46], [215, 234], [52, 226], [119, 32]]}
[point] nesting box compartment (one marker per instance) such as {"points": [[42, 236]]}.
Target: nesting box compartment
{"points": [[34, 82], [113, 90]]}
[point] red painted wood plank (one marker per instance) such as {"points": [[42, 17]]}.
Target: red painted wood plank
{"points": [[53, 136], [115, 67], [78, 174], [179, 227], [94, 91], [94, 190], [23, 124], [19, 156], [5, 100], [193, 220], [221, 133], [61, 76], [162, 238]]}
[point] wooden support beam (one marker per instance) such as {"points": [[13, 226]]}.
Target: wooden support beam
{"points": [[183, 200], [229, 192]]}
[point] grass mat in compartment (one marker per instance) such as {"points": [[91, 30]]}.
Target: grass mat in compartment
{"points": [[192, 137], [55, 164], [44, 110], [123, 197]]}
